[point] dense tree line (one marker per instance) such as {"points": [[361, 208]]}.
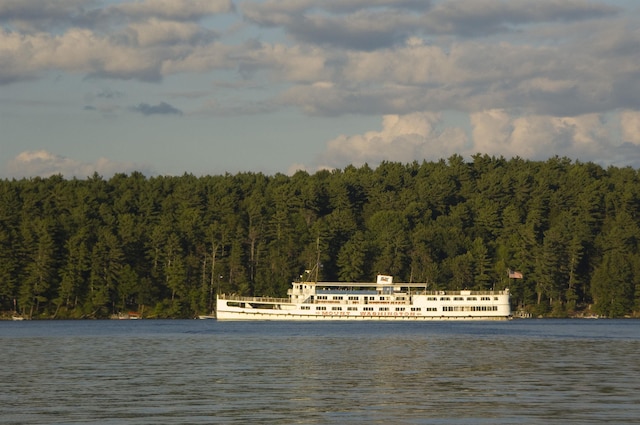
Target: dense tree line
{"points": [[163, 246]]}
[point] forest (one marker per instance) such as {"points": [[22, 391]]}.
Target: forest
{"points": [[163, 246]]}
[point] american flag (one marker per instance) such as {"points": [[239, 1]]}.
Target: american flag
{"points": [[514, 275]]}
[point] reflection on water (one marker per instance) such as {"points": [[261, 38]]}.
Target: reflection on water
{"points": [[177, 372]]}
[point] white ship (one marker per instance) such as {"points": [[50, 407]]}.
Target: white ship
{"points": [[382, 300]]}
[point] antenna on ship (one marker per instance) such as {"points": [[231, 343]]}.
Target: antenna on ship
{"points": [[317, 258], [316, 267]]}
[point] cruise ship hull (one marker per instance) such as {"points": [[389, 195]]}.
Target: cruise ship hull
{"points": [[382, 300], [262, 315]]}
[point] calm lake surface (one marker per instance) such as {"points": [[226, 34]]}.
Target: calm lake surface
{"points": [[209, 372]]}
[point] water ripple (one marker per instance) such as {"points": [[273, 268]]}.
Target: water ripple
{"points": [[203, 372]]}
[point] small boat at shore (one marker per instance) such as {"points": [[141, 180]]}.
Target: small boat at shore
{"points": [[132, 315], [380, 300]]}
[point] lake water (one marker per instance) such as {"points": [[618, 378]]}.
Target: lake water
{"points": [[209, 372]]}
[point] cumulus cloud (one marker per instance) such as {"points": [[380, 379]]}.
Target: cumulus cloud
{"points": [[30, 16], [426, 136], [469, 76], [486, 17], [373, 25], [129, 40], [402, 138], [534, 80], [630, 125], [392, 63], [47, 15], [45, 164], [585, 137]]}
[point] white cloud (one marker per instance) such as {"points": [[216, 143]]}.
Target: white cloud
{"points": [[586, 137], [135, 40], [425, 136], [45, 164], [630, 123], [293, 168], [403, 138], [555, 73], [532, 81]]}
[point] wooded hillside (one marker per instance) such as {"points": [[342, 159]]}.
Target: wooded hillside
{"points": [[89, 248]]}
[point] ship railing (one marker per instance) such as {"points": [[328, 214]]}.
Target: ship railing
{"points": [[458, 292], [390, 302], [253, 299], [350, 302]]}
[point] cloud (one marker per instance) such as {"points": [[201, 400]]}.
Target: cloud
{"points": [[373, 25], [586, 137], [487, 17], [560, 78], [31, 16], [174, 9], [162, 108], [377, 57], [353, 25], [405, 138], [45, 164], [129, 40], [630, 126], [427, 136], [47, 15]]}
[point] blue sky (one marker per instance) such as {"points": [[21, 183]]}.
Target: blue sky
{"points": [[168, 87]]}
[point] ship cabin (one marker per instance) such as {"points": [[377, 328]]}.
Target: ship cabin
{"points": [[382, 291]]}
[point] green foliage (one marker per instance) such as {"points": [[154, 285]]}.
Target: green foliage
{"points": [[165, 245]]}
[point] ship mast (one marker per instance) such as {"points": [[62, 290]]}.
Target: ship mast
{"points": [[316, 267], [317, 258]]}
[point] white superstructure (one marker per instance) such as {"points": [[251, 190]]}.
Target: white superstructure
{"points": [[382, 300]]}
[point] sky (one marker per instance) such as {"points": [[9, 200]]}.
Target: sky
{"points": [[208, 87]]}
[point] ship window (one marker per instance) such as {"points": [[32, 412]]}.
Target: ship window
{"points": [[445, 299], [321, 308], [383, 309], [336, 308], [321, 297], [495, 298], [339, 297], [353, 298], [305, 307], [485, 298], [458, 298], [352, 308], [367, 309], [399, 308], [432, 298], [471, 298]]}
